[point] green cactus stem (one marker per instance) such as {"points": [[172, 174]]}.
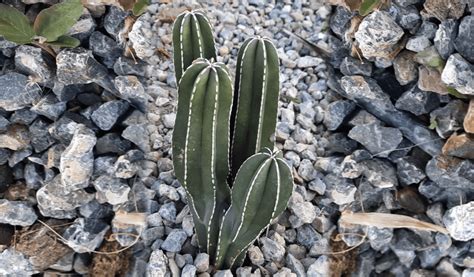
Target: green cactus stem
{"points": [[201, 145], [192, 39], [261, 191], [256, 93]]}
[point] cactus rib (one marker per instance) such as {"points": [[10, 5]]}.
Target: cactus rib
{"points": [[192, 39], [256, 93], [200, 161], [248, 216]]}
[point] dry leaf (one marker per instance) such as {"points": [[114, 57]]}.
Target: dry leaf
{"points": [[383, 220], [125, 218]]}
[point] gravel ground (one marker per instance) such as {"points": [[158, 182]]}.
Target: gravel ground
{"points": [[85, 142]]}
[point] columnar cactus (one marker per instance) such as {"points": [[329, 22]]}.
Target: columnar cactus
{"points": [[192, 39], [255, 100], [201, 145], [226, 221], [260, 192]]}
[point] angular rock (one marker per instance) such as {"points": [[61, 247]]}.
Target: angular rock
{"points": [[114, 20], [409, 170], [304, 211], [308, 61], [405, 67], [85, 235], [201, 262], [340, 21], [430, 80], [407, 17], [469, 118], [295, 265], [54, 202], [131, 89], [339, 190], [378, 35], [158, 264], [189, 270], [272, 251], [112, 143], [34, 62], [17, 92], [444, 39], [352, 66], [111, 190], [320, 268], [337, 111], [128, 165], [449, 172], [367, 94], [3, 124], [460, 222], [417, 102], [418, 43], [19, 213], [15, 264], [174, 241], [50, 107], [442, 10], [77, 161], [107, 114], [459, 74], [105, 47], [378, 140], [380, 173], [17, 137], [83, 27], [461, 146], [449, 118], [465, 38]]}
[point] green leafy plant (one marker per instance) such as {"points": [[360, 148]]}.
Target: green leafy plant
{"points": [[222, 136], [49, 28]]}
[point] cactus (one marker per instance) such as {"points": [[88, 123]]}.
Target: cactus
{"points": [[201, 145], [262, 176], [192, 39], [209, 109], [255, 100]]}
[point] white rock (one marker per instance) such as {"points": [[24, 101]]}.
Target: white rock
{"points": [[459, 221]]}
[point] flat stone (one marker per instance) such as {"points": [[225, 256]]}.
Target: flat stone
{"points": [[460, 146], [459, 74], [417, 102], [78, 66], [450, 172], [85, 235], [460, 222], [50, 107], [430, 80], [16, 138], [111, 190], [465, 38], [378, 35], [33, 61], [77, 161], [378, 140], [336, 112], [17, 92], [469, 118], [18, 213], [445, 36], [108, 113], [405, 67]]}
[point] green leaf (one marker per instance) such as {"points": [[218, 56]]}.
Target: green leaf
{"points": [[367, 6], [65, 41], [433, 124], [456, 93], [55, 21], [14, 25], [140, 7]]}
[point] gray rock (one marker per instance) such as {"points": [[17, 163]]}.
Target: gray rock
{"points": [[34, 62], [306, 170], [189, 270], [19, 213], [83, 27], [305, 211], [77, 161], [128, 165], [94, 209], [105, 47], [449, 119], [336, 112], [320, 268], [111, 190], [50, 107], [126, 66], [54, 202], [272, 251], [255, 255], [460, 222], [295, 265], [405, 3], [19, 156], [380, 173], [17, 92], [353, 66], [157, 265], [40, 137], [201, 262], [378, 140], [408, 17], [448, 172], [169, 119], [418, 43], [108, 113], [459, 74], [174, 241], [142, 39], [227, 272], [417, 102], [85, 235], [465, 38], [3, 124], [167, 191], [308, 61], [24, 116], [114, 20], [444, 39], [409, 170], [168, 211], [379, 238], [112, 143], [78, 66], [131, 89], [340, 20], [15, 263], [378, 35], [16, 138], [405, 67]]}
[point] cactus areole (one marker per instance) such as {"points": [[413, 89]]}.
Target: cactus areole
{"points": [[235, 184]]}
